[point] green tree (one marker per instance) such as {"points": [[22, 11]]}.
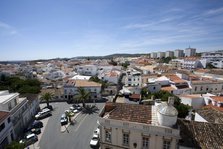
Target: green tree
{"points": [[69, 115], [47, 97], [125, 65], [15, 145], [210, 66], [164, 95], [83, 95]]}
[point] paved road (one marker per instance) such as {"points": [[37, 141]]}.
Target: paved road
{"points": [[78, 136]]}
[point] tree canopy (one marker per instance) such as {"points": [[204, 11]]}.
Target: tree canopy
{"points": [[164, 95], [16, 84], [83, 95], [47, 97]]}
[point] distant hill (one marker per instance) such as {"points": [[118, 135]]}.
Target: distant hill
{"points": [[78, 57], [111, 56]]}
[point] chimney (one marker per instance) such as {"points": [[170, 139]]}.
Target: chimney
{"points": [[170, 101]]}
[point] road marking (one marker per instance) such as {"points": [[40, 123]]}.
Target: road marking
{"points": [[80, 123]]}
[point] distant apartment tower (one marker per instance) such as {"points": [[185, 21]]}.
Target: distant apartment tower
{"points": [[169, 54], [160, 54], [190, 52], [179, 53], [153, 55]]}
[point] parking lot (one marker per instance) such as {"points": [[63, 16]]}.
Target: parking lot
{"points": [[75, 136]]}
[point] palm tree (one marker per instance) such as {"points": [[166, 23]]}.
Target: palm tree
{"points": [[69, 115], [83, 95], [47, 97]]}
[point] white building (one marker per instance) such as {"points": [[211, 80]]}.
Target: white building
{"points": [[136, 126], [71, 89], [111, 76], [21, 111], [80, 77], [160, 54], [176, 63], [215, 58], [133, 78], [206, 85], [193, 63], [178, 53], [153, 55], [190, 52], [169, 54], [89, 70], [196, 101], [6, 129]]}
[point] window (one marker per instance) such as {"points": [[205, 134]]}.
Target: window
{"points": [[9, 120], [125, 138], [154, 88], [201, 88], [9, 106], [2, 126], [145, 142], [195, 89], [166, 144], [108, 135]]}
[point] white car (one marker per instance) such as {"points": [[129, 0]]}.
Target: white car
{"points": [[63, 120], [45, 112], [97, 131], [94, 141]]}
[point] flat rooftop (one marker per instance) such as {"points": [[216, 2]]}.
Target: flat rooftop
{"points": [[4, 98]]}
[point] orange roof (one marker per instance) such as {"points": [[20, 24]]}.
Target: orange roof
{"points": [[85, 83], [191, 96], [3, 115], [217, 98], [175, 78], [167, 88], [112, 74], [213, 107]]}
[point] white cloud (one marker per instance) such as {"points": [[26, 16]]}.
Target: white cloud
{"points": [[6, 29], [215, 11]]}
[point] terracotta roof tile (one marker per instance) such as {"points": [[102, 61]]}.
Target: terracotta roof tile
{"points": [[129, 112], [217, 98], [3, 115]]}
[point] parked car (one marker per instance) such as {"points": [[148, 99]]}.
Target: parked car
{"points": [[36, 131], [44, 113], [72, 108], [77, 106], [97, 131], [49, 107], [63, 120], [94, 141], [37, 124], [76, 111], [29, 139]]}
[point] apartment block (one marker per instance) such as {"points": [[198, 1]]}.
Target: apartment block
{"points": [[179, 53], [190, 52]]}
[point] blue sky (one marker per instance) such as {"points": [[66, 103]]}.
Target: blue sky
{"points": [[34, 29]]}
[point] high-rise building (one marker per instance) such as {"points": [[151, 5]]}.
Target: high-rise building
{"points": [[153, 55], [179, 53], [190, 52], [169, 54], [160, 54]]}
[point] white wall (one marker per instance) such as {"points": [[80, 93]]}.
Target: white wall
{"points": [[198, 118], [196, 103], [136, 132]]}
